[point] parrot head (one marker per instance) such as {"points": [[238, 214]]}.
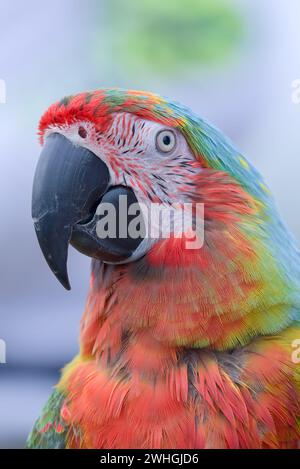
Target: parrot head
{"points": [[112, 145], [87, 163]]}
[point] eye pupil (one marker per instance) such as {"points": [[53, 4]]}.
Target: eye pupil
{"points": [[167, 140]]}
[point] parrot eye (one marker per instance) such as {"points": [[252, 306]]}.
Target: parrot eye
{"points": [[165, 141], [82, 132]]}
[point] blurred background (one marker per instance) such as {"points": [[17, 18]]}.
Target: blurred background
{"points": [[233, 62]]}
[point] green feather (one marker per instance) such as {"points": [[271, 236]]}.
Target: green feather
{"points": [[49, 430]]}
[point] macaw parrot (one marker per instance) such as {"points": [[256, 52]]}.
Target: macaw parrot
{"points": [[179, 347]]}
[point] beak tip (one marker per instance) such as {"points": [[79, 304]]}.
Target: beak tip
{"points": [[63, 279], [64, 282], [55, 251]]}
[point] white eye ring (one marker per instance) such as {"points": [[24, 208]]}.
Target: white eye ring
{"points": [[165, 141]]}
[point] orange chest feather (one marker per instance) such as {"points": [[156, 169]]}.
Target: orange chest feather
{"points": [[205, 400]]}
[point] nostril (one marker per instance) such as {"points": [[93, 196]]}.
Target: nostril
{"points": [[82, 132]]}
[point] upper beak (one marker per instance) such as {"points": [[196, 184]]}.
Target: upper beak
{"points": [[69, 184]]}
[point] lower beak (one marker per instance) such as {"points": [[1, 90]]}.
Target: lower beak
{"points": [[69, 184]]}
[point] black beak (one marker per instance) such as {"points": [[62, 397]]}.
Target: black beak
{"points": [[69, 184]]}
